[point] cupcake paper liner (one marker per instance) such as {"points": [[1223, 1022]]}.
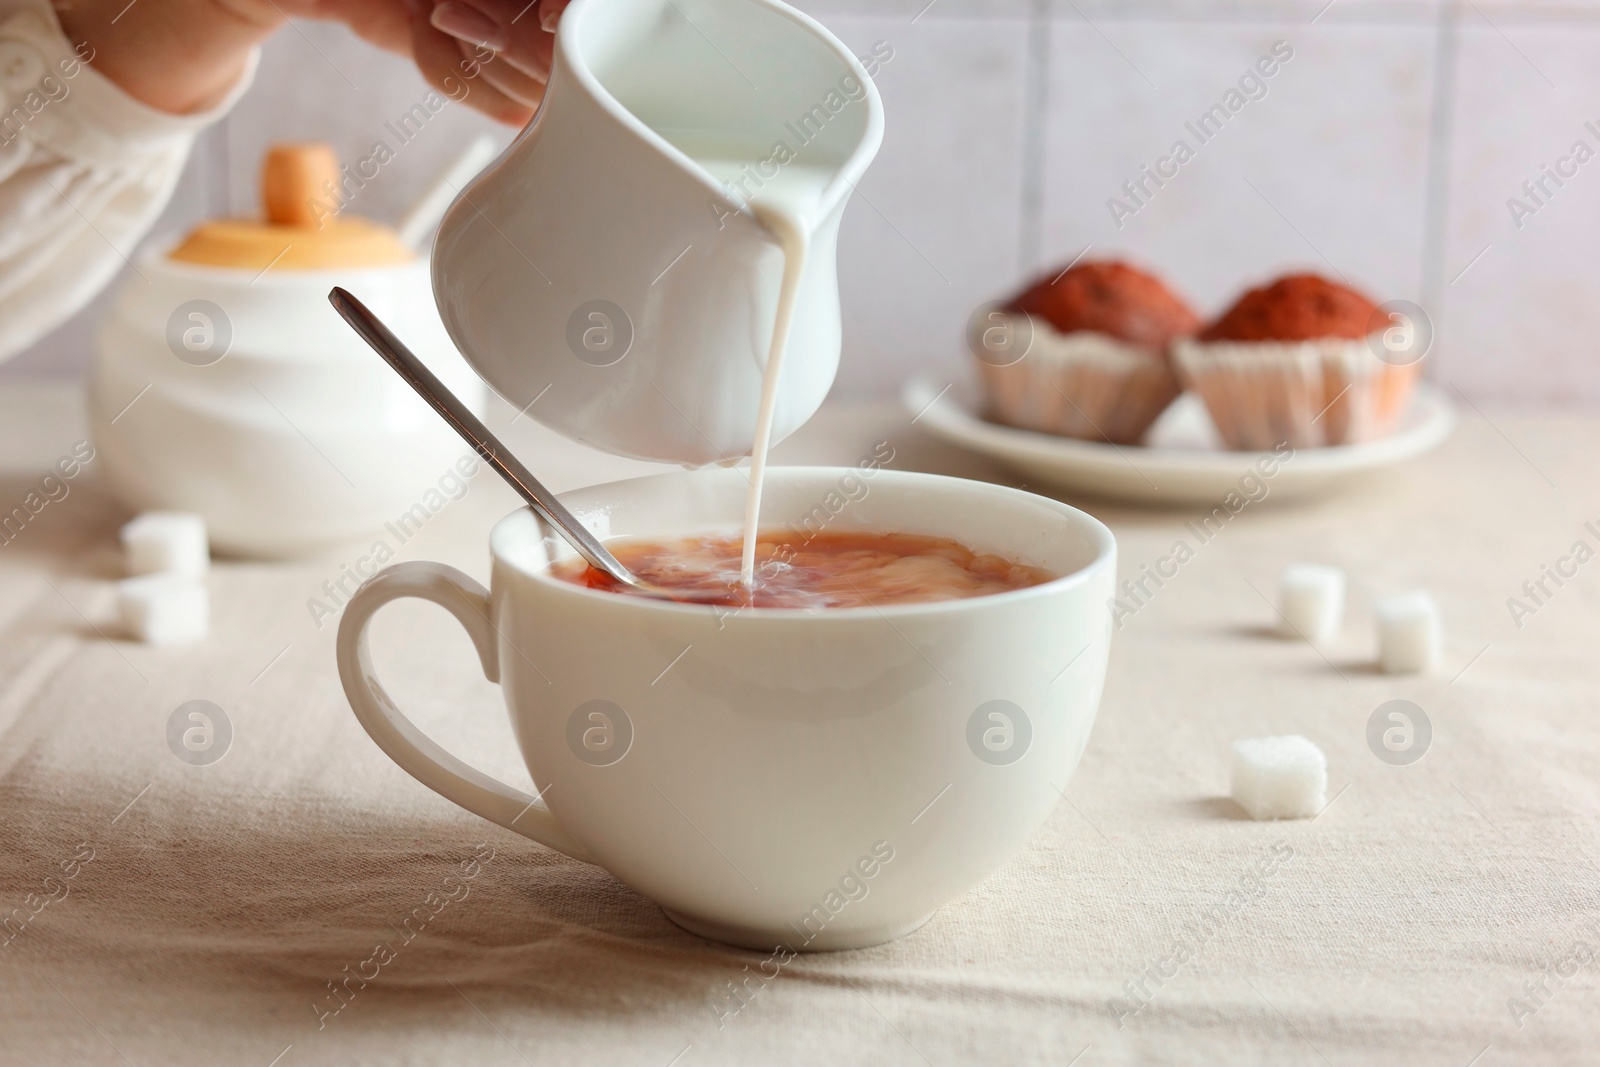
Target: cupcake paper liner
{"points": [[1307, 394], [1084, 385]]}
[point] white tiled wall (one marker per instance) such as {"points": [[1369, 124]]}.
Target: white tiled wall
{"points": [[1334, 181], [1524, 319], [1384, 150], [935, 227]]}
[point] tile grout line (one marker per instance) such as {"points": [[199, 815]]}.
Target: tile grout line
{"points": [[1361, 14], [219, 191], [1035, 112], [1441, 143], [1365, 14]]}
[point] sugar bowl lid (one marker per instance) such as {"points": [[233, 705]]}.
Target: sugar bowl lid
{"points": [[300, 192]]}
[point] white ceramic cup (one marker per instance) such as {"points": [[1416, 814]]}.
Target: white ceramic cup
{"points": [[814, 780]]}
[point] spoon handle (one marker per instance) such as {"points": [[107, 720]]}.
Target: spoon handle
{"points": [[476, 434]]}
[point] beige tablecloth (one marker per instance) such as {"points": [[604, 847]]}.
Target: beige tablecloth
{"points": [[168, 913]]}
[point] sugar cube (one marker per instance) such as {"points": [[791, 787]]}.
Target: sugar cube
{"points": [[1311, 600], [166, 541], [1408, 633], [164, 609], [1280, 777]]}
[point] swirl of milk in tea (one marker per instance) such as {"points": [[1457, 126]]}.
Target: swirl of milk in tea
{"points": [[828, 569], [785, 204]]}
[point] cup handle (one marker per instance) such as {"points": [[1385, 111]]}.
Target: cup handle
{"points": [[408, 746]]}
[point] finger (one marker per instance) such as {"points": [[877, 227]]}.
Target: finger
{"points": [[439, 58], [510, 27], [504, 77], [534, 54], [386, 25]]}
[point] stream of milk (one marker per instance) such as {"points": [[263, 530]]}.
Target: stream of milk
{"points": [[786, 204]]}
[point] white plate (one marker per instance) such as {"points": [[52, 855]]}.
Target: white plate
{"points": [[1181, 462]]}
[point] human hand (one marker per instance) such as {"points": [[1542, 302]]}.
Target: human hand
{"points": [[520, 33], [184, 55]]}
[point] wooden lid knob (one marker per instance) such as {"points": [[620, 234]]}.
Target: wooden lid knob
{"points": [[295, 178], [300, 190]]}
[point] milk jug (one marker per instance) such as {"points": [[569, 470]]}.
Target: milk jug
{"points": [[618, 272]]}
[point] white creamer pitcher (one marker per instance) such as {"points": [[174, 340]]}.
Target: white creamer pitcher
{"points": [[608, 271]]}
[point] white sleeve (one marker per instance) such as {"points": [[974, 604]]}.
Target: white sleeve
{"points": [[85, 169]]}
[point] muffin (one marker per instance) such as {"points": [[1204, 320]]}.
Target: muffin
{"points": [[1089, 357], [1297, 362]]}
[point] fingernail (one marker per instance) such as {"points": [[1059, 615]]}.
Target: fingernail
{"points": [[550, 14], [468, 24]]}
